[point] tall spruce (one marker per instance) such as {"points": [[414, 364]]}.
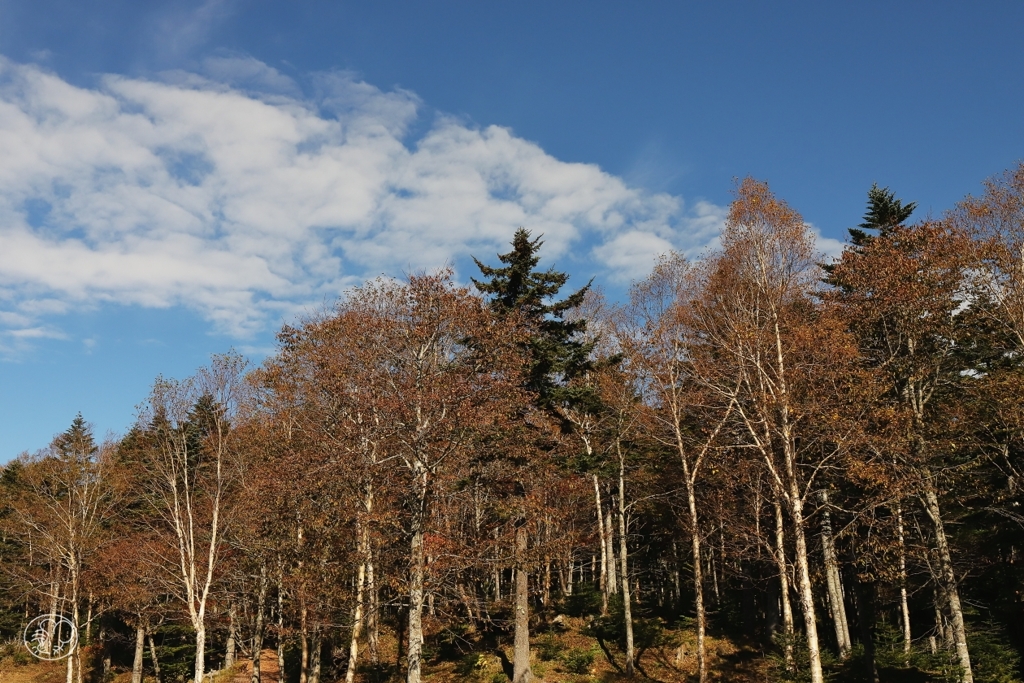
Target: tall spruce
{"points": [[557, 352], [884, 213], [556, 355]]}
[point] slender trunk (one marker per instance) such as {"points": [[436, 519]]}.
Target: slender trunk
{"points": [[612, 581], [677, 588], [904, 607], [940, 622], [54, 602], [698, 585], [152, 655], [259, 628], [88, 621], [316, 643], [200, 661], [949, 587], [713, 568], [303, 641], [229, 655], [806, 591], [280, 621], [627, 609], [372, 608], [545, 597], [833, 581], [105, 662], [357, 617], [416, 572], [77, 651], [780, 562], [521, 672], [602, 580], [140, 650]]}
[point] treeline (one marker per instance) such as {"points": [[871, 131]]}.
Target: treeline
{"points": [[821, 458]]}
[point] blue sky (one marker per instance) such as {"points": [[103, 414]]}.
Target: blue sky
{"points": [[178, 178]]}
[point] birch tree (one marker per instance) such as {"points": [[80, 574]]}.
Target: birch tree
{"points": [[192, 472]]}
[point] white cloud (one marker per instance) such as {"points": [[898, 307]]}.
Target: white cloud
{"points": [[235, 195]]}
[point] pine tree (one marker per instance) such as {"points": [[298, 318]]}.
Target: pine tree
{"points": [[884, 213], [76, 443], [557, 353]]}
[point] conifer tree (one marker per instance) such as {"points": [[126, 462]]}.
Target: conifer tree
{"points": [[557, 351], [556, 355], [884, 213]]}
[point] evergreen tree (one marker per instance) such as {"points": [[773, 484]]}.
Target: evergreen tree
{"points": [[557, 354], [884, 213], [76, 443]]}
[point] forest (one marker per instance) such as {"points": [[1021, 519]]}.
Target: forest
{"points": [[764, 465]]}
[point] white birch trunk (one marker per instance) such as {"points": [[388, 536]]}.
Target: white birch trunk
{"points": [[140, 650], [833, 580], [627, 608], [949, 587]]}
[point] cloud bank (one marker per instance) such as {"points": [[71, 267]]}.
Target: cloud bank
{"points": [[237, 194]]}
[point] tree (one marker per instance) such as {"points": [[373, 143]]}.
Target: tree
{"points": [[440, 372], [556, 355], [191, 475], [902, 295], [662, 346], [66, 501], [782, 360]]}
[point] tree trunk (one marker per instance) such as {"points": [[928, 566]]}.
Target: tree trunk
{"points": [[229, 655], [280, 621], [357, 617], [941, 630], [200, 661], [521, 672], [105, 649], [698, 584], [611, 581], [372, 608], [303, 641], [259, 628], [904, 606], [948, 579], [88, 621], [140, 650], [316, 643], [603, 578], [805, 588], [627, 608], [780, 562], [833, 580], [545, 597], [152, 655], [416, 572]]}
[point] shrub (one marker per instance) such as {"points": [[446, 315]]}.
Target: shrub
{"points": [[549, 647], [578, 660], [585, 601]]}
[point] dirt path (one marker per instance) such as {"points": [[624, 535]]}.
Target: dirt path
{"points": [[269, 671]]}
